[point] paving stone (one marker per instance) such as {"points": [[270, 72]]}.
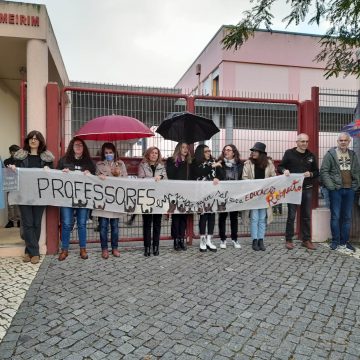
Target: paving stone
{"points": [[284, 304]]}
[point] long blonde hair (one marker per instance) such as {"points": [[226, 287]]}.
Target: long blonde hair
{"points": [[177, 156]]}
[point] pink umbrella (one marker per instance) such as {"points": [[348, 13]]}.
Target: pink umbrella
{"points": [[113, 128]]}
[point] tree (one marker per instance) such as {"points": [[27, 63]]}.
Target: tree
{"points": [[340, 45]]}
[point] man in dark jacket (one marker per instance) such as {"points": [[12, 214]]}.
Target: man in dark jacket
{"points": [[340, 174], [300, 160]]}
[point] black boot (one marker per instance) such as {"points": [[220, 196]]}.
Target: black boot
{"points": [[261, 245], [255, 245], [176, 244], [156, 250], [147, 251], [10, 224], [182, 244]]}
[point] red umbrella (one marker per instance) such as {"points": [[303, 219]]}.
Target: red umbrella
{"points": [[113, 128]]}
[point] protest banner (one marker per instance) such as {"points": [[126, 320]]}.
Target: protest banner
{"points": [[146, 196]]}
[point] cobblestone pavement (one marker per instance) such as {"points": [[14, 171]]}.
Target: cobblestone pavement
{"points": [[233, 304], [15, 280]]}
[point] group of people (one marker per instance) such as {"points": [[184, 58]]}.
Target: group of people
{"points": [[340, 175]]}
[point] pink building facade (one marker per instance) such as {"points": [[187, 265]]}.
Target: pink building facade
{"points": [[277, 64]]}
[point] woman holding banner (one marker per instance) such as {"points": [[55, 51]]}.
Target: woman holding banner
{"points": [[259, 166], [205, 168], [152, 167], [178, 168], [110, 165], [77, 158], [33, 155], [231, 169]]}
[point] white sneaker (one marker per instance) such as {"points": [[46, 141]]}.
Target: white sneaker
{"points": [[203, 243], [343, 249], [209, 244], [223, 244], [236, 244]]}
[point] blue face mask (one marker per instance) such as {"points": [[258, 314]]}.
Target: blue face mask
{"points": [[109, 157]]}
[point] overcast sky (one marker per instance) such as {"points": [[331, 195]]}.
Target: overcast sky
{"points": [[141, 42]]}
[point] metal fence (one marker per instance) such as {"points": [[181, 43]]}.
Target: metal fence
{"points": [[241, 121], [336, 109]]}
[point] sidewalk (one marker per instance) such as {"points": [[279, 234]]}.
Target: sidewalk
{"points": [[233, 304]]}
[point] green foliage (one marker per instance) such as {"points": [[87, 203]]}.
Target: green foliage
{"points": [[340, 45]]}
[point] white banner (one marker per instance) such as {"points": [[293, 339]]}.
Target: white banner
{"points": [[126, 195]]}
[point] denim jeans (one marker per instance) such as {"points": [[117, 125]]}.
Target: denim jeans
{"points": [[305, 217], [258, 223], [104, 227], [67, 223], [31, 223], [233, 225], [341, 204]]}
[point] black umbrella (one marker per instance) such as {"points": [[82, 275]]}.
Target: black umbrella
{"points": [[187, 127]]}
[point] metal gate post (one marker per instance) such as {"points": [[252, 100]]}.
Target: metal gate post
{"points": [[309, 124], [52, 141], [190, 106], [315, 135]]}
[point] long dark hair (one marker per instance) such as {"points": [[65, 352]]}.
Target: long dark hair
{"points": [[199, 156], [70, 154], [261, 162], [42, 145], [111, 146], [235, 151]]}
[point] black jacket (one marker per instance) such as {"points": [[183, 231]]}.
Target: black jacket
{"points": [[180, 171], [79, 164], [205, 171], [22, 159], [296, 162], [9, 161]]}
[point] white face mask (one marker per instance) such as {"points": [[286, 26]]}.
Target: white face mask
{"points": [[109, 157]]}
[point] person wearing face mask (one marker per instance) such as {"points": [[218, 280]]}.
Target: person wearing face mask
{"points": [[231, 169], [178, 168], [109, 165]]}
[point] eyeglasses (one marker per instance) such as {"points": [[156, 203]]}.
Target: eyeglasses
{"points": [[34, 139], [78, 145], [228, 149]]}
